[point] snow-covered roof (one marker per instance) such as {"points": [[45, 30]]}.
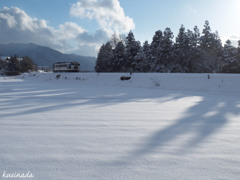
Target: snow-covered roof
{"points": [[4, 57]]}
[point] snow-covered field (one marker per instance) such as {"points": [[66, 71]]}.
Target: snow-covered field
{"points": [[94, 126]]}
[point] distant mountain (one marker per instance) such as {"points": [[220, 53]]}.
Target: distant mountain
{"points": [[45, 56]]}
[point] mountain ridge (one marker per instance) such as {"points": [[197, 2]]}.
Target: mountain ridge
{"points": [[45, 56]]}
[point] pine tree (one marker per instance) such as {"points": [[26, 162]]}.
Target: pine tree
{"points": [[3, 65], [238, 58], [138, 60], [165, 61], [132, 48], [146, 61], [194, 51], [27, 64], [238, 52], [230, 54], [195, 38], [117, 57], [210, 41], [104, 58], [13, 66], [182, 50], [115, 39], [206, 38], [210, 51], [154, 48], [157, 39]]}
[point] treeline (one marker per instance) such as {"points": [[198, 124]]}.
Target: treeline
{"points": [[192, 52], [15, 65]]}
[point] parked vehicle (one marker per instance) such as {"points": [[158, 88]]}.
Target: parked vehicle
{"points": [[66, 67]]}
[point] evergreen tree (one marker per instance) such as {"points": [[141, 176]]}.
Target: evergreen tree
{"points": [[104, 57], [165, 61], [138, 60], [211, 50], [146, 61], [132, 48], [181, 38], [230, 54], [195, 48], [183, 50], [115, 39], [238, 52], [117, 57], [154, 48], [194, 51], [195, 38], [13, 66], [27, 64], [210, 41], [137, 48], [157, 39], [206, 39], [3, 65], [238, 58]]}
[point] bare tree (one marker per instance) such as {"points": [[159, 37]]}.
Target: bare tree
{"points": [[210, 62]]}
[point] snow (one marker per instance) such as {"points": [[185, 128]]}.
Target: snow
{"points": [[95, 126]]}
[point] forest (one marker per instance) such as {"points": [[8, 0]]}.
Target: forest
{"points": [[191, 51], [14, 65]]}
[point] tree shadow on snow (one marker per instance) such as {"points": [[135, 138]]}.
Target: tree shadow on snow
{"points": [[187, 133], [31, 98], [201, 121]]}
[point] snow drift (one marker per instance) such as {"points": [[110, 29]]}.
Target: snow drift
{"points": [[225, 83], [95, 126]]}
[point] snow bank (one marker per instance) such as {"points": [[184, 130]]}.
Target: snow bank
{"points": [[95, 126], [225, 83]]}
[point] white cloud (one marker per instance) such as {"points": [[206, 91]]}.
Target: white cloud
{"points": [[233, 38], [8, 19], [70, 30], [108, 13], [18, 27]]}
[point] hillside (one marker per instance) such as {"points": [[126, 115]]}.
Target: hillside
{"points": [[45, 56]]}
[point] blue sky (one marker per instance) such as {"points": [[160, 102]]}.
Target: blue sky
{"points": [[81, 26]]}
